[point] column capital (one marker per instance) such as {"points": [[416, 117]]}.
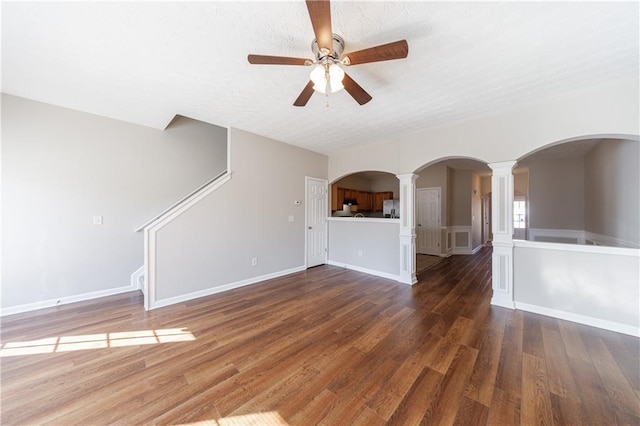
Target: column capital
{"points": [[503, 166], [408, 176]]}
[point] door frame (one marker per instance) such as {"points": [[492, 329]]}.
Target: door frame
{"points": [[439, 190], [306, 220], [486, 218]]}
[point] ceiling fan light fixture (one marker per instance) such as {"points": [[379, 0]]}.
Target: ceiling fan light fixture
{"points": [[327, 76]]}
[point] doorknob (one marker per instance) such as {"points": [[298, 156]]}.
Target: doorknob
{"points": [[310, 227]]}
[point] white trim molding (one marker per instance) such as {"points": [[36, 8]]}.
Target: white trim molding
{"points": [[150, 232], [64, 300], [366, 271], [362, 219], [448, 241], [502, 224], [218, 289], [618, 251], [467, 247], [576, 236], [407, 228], [137, 278], [580, 319], [604, 240]]}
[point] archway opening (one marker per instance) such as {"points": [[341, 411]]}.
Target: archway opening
{"points": [[452, 209], [368, 194], [580, 192]]}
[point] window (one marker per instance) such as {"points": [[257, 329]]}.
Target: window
{"points": [[519, 214]]}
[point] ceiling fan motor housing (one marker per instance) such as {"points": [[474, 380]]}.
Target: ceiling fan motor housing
{"points": [[323, 57]]}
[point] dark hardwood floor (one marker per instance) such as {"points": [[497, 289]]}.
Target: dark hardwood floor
{"points": [[328, 346]]}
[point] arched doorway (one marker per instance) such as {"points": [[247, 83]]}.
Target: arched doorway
{"points": [[450, 209]]}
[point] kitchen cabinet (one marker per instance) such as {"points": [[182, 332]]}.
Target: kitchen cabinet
{"points": [[364, 200], [378, 199], [337, 197], [367, 201]]}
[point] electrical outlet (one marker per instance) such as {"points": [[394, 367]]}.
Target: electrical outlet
{"points": [[254, 261], [292, 218], [97, 220], [359, 253]]}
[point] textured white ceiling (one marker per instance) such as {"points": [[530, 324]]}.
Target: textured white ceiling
{"points": [[145, 62]]}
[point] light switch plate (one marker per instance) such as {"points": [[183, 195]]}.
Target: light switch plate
{"points": [[97, 220]]}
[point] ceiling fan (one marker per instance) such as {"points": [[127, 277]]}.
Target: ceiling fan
{"points": [[328, 75]]}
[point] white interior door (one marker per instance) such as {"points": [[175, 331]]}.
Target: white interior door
{"points": [[316, 221], [428, 221]]}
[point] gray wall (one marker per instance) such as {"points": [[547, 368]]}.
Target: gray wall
{"points": [[61, 167], [378, 242], [476, 211], [381, 182], [556, 194], [355, 181], [601, 286], [521, 182], [385, 183], [612, 194], [460, 203], [485, 185], [212, 244]]}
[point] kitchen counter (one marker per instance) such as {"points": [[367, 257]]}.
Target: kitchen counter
{"points": [[363, 219]]}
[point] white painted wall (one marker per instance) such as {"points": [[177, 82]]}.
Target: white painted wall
{"points": [[612, 194], [60, 168], [211, 245], [612, 109], [378, 242]]}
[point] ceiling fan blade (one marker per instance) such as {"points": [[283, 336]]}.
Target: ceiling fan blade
{"points": [[305, 95], [277, 60], [354, 89], [320, 13], [384, 52]]}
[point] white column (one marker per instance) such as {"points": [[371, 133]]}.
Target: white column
{"points": [[502, 222], [407, 228]]}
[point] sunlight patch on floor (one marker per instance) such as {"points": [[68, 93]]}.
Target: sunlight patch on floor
{"points": [[269, 418], [96, 341]]}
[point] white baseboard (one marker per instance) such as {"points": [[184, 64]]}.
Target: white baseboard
{"points": [[466, 250], [580, 319], [503, 302], [603, 240], [578, 236], [137, 279], [11, 310], [367, 271], [221, 288]]}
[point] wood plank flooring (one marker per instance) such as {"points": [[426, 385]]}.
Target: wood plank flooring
{"points": [[325, 346]]}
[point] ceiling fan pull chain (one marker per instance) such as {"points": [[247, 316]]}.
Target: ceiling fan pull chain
{"points": [[328, 80]]}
